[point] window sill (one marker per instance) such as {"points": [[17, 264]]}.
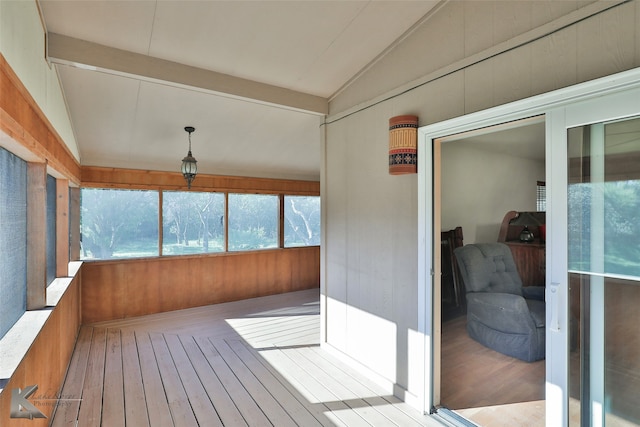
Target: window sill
{"points": [[18, 340], [194, 255]]}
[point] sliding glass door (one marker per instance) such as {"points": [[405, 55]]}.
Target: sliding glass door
{"points": [[594, 310], [603, 198], [592, 247]]}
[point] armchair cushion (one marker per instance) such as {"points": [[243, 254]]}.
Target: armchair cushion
{"points": [[489, 267], [494, 309], [534, 292]]}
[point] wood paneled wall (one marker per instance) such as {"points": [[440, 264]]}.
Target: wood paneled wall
{"points": [[120, 289], [45, 363]]}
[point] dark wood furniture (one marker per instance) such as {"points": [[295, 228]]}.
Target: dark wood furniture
{"points": [[453, 292], [529, 257], [530, 261]]}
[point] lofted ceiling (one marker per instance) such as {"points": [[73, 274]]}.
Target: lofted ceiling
{"points": [[253, 77]]}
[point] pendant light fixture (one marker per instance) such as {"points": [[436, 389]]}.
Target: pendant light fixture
{"points": [[189, 163]]}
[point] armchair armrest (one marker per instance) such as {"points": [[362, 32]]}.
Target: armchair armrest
{"points": [[534, 292], [500, 311]]}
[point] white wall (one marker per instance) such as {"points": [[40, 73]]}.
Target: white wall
{"points": [[370, 278], [479, 187], [467, 57], [22, 43]]}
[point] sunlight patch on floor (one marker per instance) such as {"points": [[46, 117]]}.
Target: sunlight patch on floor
{"points": [[526, 414]]}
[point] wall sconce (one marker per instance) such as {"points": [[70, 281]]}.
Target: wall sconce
{"points": [[189, 163], [403, 145]]}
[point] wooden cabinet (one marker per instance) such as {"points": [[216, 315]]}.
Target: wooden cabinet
{"points": [[453, 295], [529, 257], [530, 261]]}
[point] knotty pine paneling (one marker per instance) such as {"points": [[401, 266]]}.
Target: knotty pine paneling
{"points": [[126, 288]]}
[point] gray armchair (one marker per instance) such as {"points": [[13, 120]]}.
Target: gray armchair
{"points": [[501, 314]]}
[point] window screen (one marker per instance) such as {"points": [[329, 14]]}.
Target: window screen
{"points": [[51, 229], [193, 222], [118, 223], [253, 221], [13, 239], [301, 221]]}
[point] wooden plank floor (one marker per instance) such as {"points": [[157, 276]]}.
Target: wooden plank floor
{"points": [[248, 363], [487, 387], [474, 375]]}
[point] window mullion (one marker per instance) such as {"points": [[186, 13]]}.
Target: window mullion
{"points": [[281, 221], [160, 222], [36, 230], [226, 221]]}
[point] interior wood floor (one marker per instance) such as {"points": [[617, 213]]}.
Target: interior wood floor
{"points": [[254, 362], [488, 387]]}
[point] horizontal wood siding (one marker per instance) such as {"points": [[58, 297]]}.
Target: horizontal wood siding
{"points": [[126, 288], [46, 361]]}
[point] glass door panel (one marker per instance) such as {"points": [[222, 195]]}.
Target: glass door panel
{"points": [[603, 200]]}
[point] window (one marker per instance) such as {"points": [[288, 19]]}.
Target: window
{"points": [[301, 221], [51, 229], [604, 203], [541, 196], [192, 222], [118, 223], [13, 239], [253, 221]]}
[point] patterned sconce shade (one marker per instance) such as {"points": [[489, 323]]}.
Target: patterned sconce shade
{"points": [[403, 145]]}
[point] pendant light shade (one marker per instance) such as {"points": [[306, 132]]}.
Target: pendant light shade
{"points": [[189, 163]]}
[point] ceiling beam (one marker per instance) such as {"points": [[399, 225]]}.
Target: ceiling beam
{"points": [[74, 52]]}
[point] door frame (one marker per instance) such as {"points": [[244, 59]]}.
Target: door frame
{"points": [[554, 106]]}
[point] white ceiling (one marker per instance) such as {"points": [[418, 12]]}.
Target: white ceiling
{"points": [[523, 138], [527, 141], [253, 77]]}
